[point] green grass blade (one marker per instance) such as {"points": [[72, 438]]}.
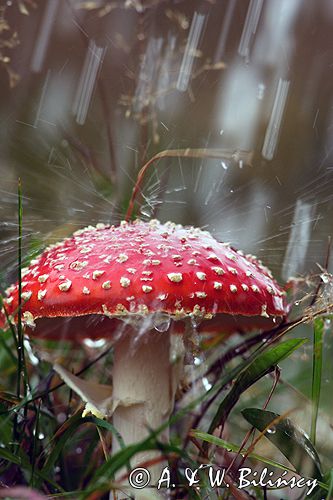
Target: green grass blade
{"points": [[20, 347], [5, 347], [34, 446], [262, 364], [21, 369], [209, 438], [330, 486], [73, 424], [22, 460], [289, 439], [105, 473], [318, 334]]}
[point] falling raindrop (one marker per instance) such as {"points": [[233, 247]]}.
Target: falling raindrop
{"points": [[250, 27], [43, 37], [197, 360], [207, 385], [195, 321], [94, 344], [325, 277], [271, 430], [197, 25], [61, 417], [34, 360], [161, 322], [261, 91], [89, 74], [41, 435], [274, 125]]}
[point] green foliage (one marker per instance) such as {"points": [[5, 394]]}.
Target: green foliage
{"points": [[259, 367], [290, 440], [46, 444], [317, 364]]}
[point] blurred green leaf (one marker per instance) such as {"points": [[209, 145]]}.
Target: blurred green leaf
{"points": [[72, 425], [330, 487], [105, 473], [260, 366], [317, 363], [325, 492], [289, 439], [231, 447], [22, 460]]}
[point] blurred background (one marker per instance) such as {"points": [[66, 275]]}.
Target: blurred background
{"points": [[90, 90]]}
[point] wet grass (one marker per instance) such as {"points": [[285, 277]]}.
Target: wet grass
{"points": [[48, 446], [317, 365]]}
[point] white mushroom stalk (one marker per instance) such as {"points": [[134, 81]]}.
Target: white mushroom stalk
{"points": [[145, 383], [146, 373]]}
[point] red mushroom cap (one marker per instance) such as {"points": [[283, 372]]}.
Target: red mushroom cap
{"points": [[139, 268]]}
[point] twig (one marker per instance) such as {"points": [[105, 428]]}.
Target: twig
{"points": [[245, 156]]}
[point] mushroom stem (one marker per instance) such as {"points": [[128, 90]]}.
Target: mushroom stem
{"points": [[144, 384]]}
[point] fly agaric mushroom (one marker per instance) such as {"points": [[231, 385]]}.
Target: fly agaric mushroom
{"points": [[165, 274]]}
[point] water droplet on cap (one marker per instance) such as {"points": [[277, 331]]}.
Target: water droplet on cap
{"points": [[161, 322]]}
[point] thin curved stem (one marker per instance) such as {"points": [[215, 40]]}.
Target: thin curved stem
{"points": [[244, 156]]}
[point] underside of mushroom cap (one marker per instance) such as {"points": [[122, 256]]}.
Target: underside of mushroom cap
{"points": [[139, 268]]}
